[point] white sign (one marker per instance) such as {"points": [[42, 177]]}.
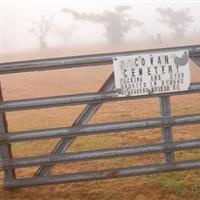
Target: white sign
{"points": [[142, 74]]}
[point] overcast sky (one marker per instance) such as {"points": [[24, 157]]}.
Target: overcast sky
{"points": [[16, 17]]}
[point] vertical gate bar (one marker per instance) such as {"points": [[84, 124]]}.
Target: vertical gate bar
{"points": [[5, 149], [165, 111], [82, 119]]}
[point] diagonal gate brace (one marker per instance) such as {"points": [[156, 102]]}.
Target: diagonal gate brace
{"points": [[196, 59], [82, 119]]}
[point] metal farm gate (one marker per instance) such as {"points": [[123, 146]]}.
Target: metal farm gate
{"points": [[80, 128]]}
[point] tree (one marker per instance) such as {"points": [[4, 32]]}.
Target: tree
{"points": [[117, 23], [177, 21], [41, 29]]}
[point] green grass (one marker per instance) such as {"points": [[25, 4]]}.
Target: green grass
{"points": [[184, 184], [181, 183]]}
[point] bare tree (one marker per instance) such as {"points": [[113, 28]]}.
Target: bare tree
{"points": [[177, 21], [41, 29], [117, 23]]}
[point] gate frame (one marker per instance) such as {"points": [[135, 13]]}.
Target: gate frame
{"points": [[94, 101]]}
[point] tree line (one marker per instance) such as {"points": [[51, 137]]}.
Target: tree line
{"points": [[116, 24]]}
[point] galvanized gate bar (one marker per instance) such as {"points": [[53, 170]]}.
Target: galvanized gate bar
{"points": [[84, 130], [80, 61], [5, 149], [88, 98], [80, 127], [82, 119], [196, 60], [165, 111], [104, 174], [196, 57], [100, 154]]}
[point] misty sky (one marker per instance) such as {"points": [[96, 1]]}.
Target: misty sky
{"points": [[16, 17]]}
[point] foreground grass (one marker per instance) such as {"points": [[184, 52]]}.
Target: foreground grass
{"points": [[183, 184]]}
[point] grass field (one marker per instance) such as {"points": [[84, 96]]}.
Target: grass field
{"points": [[172, 186]]}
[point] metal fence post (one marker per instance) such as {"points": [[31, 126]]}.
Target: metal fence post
{"points": [[165, 111], [5, 149]]}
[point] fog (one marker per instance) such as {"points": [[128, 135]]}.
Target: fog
{"points": [[33, 24]]}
